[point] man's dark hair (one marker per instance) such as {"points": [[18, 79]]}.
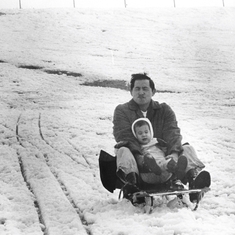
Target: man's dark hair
{"points": [[141, 76]]}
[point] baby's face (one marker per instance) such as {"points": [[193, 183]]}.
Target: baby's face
{"points": [[143, 134]]}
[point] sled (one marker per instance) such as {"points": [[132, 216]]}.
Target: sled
{"points": [[146, 195]]}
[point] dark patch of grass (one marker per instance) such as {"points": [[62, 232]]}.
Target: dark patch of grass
{"points": [[34, 67], [50, 71], [167, 91], [2, 14], [119, 84], [229, 105], [2, 61], [3, 221], [63, 72]]}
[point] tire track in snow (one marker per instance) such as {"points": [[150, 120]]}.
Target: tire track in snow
{"points": [[56, 177], [22, 169]]}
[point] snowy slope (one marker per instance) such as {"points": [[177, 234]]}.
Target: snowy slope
{"points": [[52, 127]]}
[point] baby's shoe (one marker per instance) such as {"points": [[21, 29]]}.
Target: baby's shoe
{"points": [[178, 168], [181, 167], [150, 165]]}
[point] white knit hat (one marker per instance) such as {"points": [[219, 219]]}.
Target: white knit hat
{"points": [[142, 119]]}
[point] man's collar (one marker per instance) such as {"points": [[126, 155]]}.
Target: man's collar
{"points": [[134, 106]]}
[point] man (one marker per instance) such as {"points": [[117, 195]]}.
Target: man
{"points": [[165, 129]]}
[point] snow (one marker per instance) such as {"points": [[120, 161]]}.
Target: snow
{"points": [[52, 127]]}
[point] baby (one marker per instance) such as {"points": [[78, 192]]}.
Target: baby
{"points": [[153, 157]]}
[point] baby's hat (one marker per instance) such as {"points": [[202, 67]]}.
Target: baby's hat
{"points": [[142, 119]]}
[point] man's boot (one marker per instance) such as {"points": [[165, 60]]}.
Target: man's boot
{"points": [[130, 186], [131, 178], [202, 180]]}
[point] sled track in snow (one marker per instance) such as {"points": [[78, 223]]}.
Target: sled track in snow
{"points": [[54, 173], [51, 146], [17, 131], [64, 189], [77, 150], [62, 185], [8, 128], [36, 205]]}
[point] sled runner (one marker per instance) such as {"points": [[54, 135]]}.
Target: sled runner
{"points": [[143, 197]]}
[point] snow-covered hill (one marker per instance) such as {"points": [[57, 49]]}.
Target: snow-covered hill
{"points": [[52, 127]]}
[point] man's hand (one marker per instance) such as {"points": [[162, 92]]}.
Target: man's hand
{"points": [[174, 156], [121, 144], [171, 165]]}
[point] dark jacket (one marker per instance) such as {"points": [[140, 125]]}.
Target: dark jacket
{"points": [[161, 116]]}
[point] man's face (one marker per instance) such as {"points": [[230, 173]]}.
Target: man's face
{"points": [[142, 93], [143, 134]]}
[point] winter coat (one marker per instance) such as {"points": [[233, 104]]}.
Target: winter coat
{"points": [[163, 121]]}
